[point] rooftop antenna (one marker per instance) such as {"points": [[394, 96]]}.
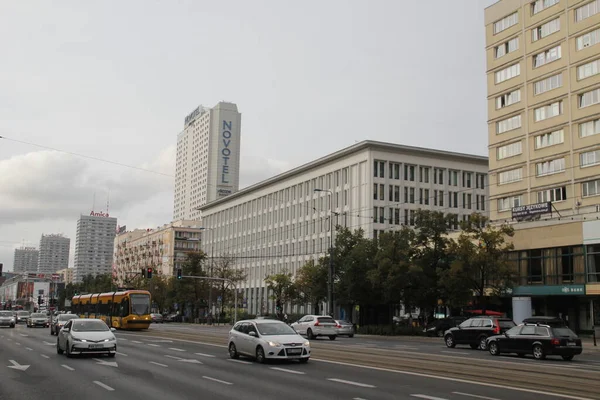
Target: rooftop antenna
{"points": [[94, 202], [107, 201]]}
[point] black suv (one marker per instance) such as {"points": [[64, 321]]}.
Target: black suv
{"points": [[537, 339], [476, 330]]}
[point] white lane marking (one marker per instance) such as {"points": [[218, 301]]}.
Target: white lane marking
{"points": [[67, 367], [358, 398], [455, 352], [445, 378], [291, 371], [424, 396], [122, 338], [49, 344], [135, 341], [173, 357], [475, 396], [45, 356], [22, 334], [153, 345], [102, 385], [122, 354], [239, 361], [29, 348], [159, 364], [217, 380], [173, 348], [204, 355], [350, 382], [17, 343]]}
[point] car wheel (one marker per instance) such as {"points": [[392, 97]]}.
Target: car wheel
{"points": [[482, 343], [449, 339], [58, 349], [260, 355], [12, 326], [309, 334], [332, 337], [538, 352], [493, 348], [351, 335], [567, 358], [68, 350], [233, 351], [303, 360]]}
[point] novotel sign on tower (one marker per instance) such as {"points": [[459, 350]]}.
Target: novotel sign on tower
{"points": [[228, 154]]}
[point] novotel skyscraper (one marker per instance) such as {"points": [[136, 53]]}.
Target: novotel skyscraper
{"points": [[208, 158]]}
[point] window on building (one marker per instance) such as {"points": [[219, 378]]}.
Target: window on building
{"points": [[506, 47], [540, 5], [589, 69], [438, 176], [509, 150], [409, 173], [506, 22], [507, 203], [548, 111], [593, 264], [508, 73], [547, 56], [513, 175], [480, 181], [424, 174], [412, 196], [589, 158], [441, 198], [508, 124], [587, 39], [589, 128], [587, 10], [589, 98], [452, 178], [550, 167], [508, 99], [394, 170], [549, 139], [466, 179], [590, 188], [547, 84], [554, 195], [545, 30]]}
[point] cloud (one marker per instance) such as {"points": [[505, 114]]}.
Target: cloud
{"points": [[254, 169]]}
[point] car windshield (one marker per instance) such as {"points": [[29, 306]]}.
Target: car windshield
{"points": [[140, 304], [66, 317], [89, 326], [22, 313], [38, 315], [6, 313], [275, 329]]}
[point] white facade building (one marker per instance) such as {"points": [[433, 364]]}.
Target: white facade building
{"points": [[94, 245], [207, 164], [54, 253], [281, 223], [26, 260]]}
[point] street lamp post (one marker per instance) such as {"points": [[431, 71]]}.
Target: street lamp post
{"points": [[330, 304]]}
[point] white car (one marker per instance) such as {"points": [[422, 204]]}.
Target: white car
{"points": [[86, 336], [316, 325], [266, 339]]}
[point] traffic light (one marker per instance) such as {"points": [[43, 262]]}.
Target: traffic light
{"points": [[178, 273], [40, 300], [1, 266], [149, 273]]}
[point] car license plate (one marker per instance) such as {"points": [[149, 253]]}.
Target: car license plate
{"points": [[96, 346], [294, 351], [571, 344]]}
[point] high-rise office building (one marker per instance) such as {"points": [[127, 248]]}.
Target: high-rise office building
{"points": [[208, 158], [543, 80], [26, 260], [94, 245], [54, 253]]}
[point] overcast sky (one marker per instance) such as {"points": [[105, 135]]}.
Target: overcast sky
{"points": [[114, 80]]}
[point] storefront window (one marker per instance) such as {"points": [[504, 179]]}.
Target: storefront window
{"points": [[552, 266], [593, 261]]}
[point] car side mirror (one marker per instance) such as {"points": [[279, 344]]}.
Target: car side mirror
{"points": [[113, 329], [252, 333]]}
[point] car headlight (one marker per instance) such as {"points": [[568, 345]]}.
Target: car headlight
{"points": [[307, 343], [274, 344], [12, 320], [79, 340]]}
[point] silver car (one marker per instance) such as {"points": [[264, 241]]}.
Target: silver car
{"points": [[7, 318], [265, 339], [86, 336], [345, 328], [316, 325], [59, 321]]}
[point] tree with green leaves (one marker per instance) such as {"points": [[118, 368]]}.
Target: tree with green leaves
{"points": [[481, 264], [311, 283], [282, 288], [224, 268], [188, 291]]}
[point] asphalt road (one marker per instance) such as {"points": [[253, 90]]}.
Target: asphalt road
{"points": [[151, 367]]}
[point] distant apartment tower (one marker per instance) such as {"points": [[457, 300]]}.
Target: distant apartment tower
{"points": [[26, 260], [94, 245], [66, 275], [54, 253], [208, 158]]}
